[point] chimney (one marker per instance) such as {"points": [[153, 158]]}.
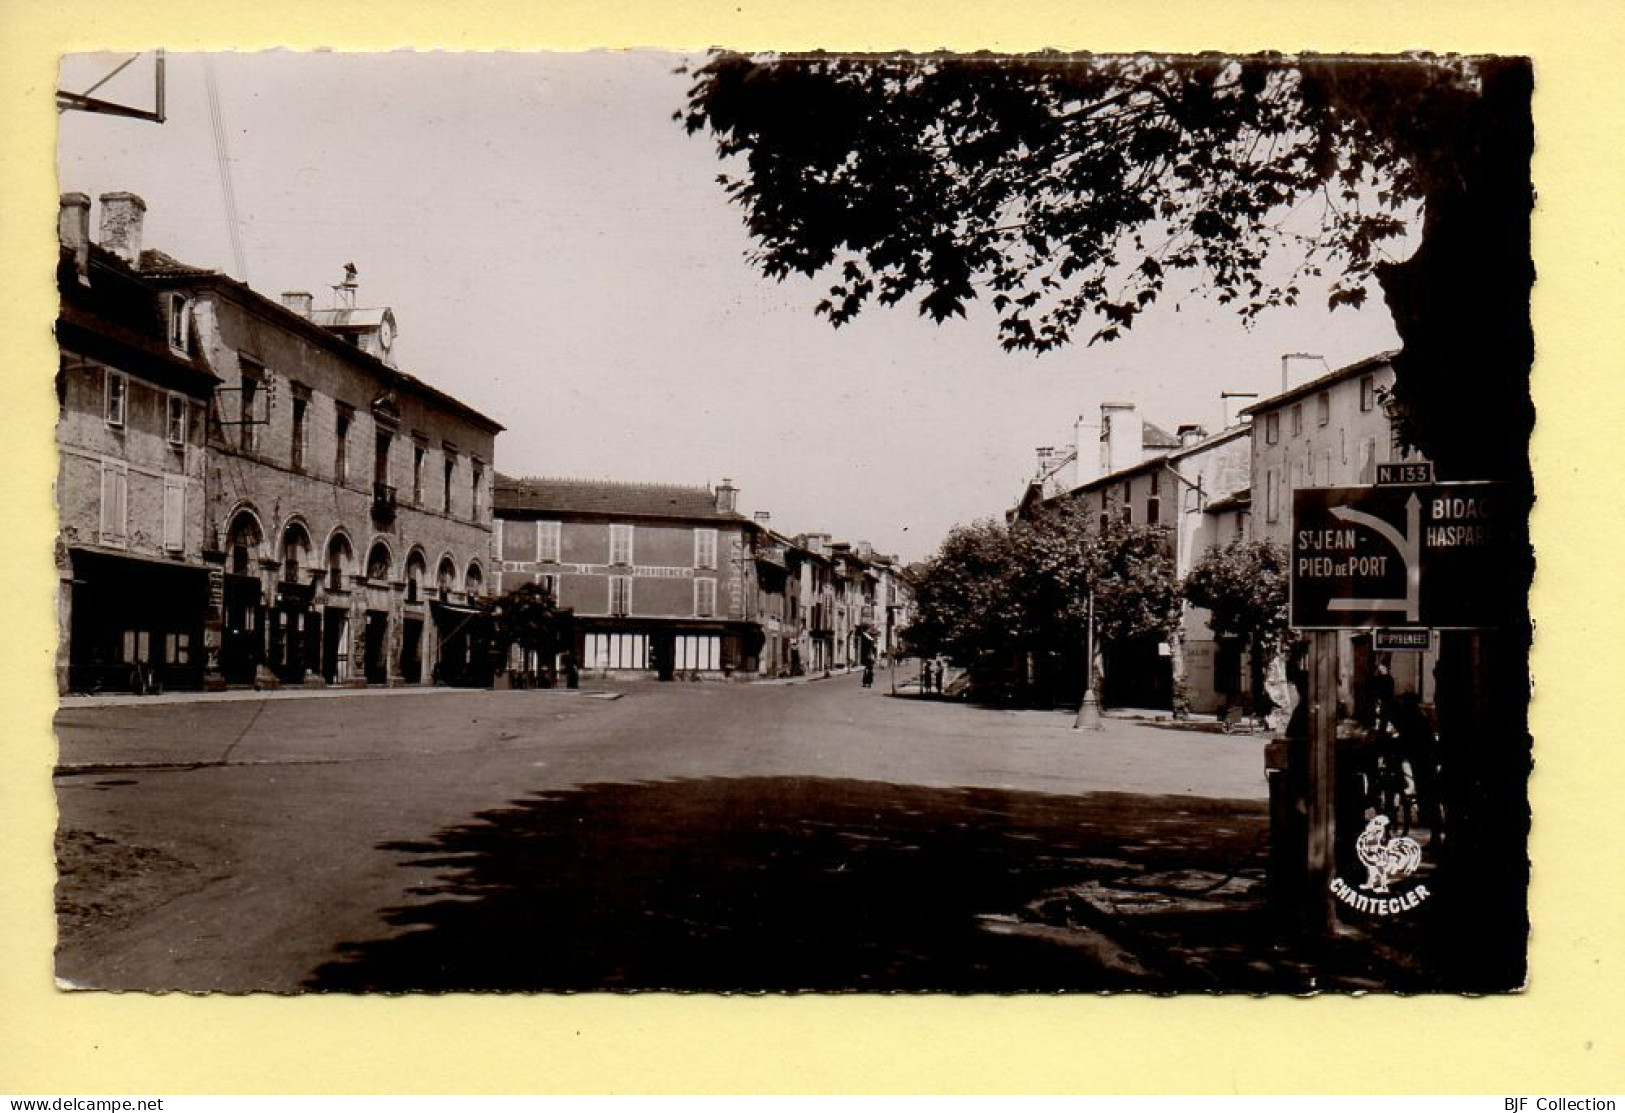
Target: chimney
{"points": [[73, 231], [300, 301], [1286, 364], [865, 550], [763, 517], [727, 495], [1190, 434], [1120, 436], [122, 217], [1085, 451]]}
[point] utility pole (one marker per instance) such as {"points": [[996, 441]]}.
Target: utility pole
{"points": [[1089, 710]]}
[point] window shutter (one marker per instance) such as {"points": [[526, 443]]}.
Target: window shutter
{"points": [[115, 491], [174, 514]]}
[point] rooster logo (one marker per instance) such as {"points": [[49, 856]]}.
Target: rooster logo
{"points": [[1385, 859]]}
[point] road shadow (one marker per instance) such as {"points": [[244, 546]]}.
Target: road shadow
{"points": [[775, 884]]}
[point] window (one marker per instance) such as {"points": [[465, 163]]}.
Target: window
{"points": [[479, 481], [178, 649], [547, 542], [697, 652], [248, 396], [1128, 514], [341, 454], [1323, 408], [378, 562], [1297, 419], [1272, 428], [1153, 511], [620, 595], [549, 583], [116, 399], [380, 458], [301, 425], [1272, 497], [1368, 393], [419, 451], [179, 320], [174, 513], [620, 544], [616, 651], [176, 424], [136, 645], [705, 548], [450, 474], [705, 597], [115, 502]]}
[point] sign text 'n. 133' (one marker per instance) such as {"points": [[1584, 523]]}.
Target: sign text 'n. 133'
{"points": [[1437, 555]]}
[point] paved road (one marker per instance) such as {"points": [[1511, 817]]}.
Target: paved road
{"points": [[692, 836]]}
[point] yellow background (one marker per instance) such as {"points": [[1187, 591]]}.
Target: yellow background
{"points": [[1563, 1036]]}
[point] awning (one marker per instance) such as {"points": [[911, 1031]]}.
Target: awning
{"points": [[454, 608]]}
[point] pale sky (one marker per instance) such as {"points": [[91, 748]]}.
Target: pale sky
{"points": [[559, 255]]}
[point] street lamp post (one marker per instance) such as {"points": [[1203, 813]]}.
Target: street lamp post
{"points": [[1089, 710]]}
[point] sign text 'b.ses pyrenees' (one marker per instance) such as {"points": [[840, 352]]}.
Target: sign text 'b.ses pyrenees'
{"points": [[1436, 555]]}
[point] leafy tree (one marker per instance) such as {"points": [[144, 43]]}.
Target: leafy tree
{"points": [[1065, 187], [994, 593], [528, 617], [1243, 586], [964, 596]]}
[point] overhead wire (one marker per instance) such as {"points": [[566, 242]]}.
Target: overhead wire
{"points": [[222, 156]]}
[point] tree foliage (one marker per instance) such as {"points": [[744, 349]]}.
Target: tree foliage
{"points": [[528, 617], [1243, 586], [1068, 190], [996, 590]]}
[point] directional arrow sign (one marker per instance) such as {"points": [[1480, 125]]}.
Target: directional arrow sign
{"points": [[1435, 555], [1409, 547]]}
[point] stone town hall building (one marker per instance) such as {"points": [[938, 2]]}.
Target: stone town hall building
{"points": [[249, 491]]}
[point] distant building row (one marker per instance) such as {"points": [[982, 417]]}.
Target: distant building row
{"points": [[250, 492], [1208, 490], [670, 580]]}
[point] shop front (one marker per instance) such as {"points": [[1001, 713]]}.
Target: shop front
{"points": [[135, 624]]}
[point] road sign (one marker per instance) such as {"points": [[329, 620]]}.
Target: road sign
{"points": [[1436, 555], [1415, 472], [1413, 639]]}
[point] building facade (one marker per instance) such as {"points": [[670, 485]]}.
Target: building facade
{"points": [[661, 580], [133, 406], [1332, 431], [344, 506], [1167, 482]]}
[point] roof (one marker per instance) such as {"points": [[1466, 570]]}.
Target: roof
{"points": [[1153, 436], [1326, 380], [609, 499], [1235, 500], [160, 264], [1213, 441], [179, 274], [114, 318]]}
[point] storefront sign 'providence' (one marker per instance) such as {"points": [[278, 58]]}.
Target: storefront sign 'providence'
{"points": [[1417, 555]]}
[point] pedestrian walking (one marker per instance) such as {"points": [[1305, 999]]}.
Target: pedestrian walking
{"points": [[868, 674]]}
